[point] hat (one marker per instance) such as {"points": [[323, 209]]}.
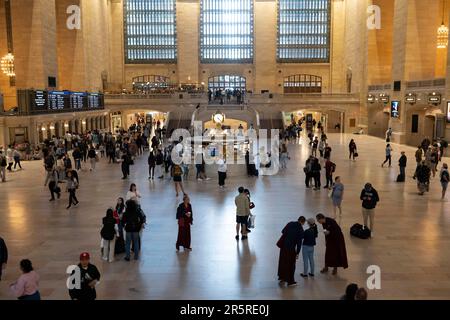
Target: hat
{"points": [[84, 256], [311, 221]]}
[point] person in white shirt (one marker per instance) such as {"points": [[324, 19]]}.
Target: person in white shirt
{"points": [[10, 157], [222, 171], [133, 194]]}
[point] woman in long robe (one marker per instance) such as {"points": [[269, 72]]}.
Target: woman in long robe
{"points": [[290, 244], [185, 220], [335, 252]]}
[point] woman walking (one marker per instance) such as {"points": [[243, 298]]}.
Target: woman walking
{"points": [[151, 165], [92, 155], [72, 185], [337, 194], [388, 155], [177, 173], [309, 242], [185, 220], [352, 149], [108, 233], [133, 194], [27, 286], [445, 178]]}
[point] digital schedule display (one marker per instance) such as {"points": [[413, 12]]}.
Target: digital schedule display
{"points": [[39, 100], [395, 109], [58, 100], [78, 100], [42, 101]]}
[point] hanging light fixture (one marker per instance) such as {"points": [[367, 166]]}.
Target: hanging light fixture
{"points": [[442, 33], [7, 65]]}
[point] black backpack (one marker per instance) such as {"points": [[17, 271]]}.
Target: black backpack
{"points": [[359, 231]]}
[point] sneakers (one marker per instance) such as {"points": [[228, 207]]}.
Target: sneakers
{"points": [[303, 275], [292, 284]]}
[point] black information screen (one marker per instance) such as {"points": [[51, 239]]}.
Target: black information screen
{"points": [[58, 100], [39, 101], [78, 100], [95, 101]]}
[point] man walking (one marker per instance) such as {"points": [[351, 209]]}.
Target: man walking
{"points": [[369, 197], [89, 277], [242, 212]]}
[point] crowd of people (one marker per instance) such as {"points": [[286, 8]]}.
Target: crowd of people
{"points": [[123, 224]]}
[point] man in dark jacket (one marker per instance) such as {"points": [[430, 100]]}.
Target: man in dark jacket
{"points": [[3, 256], [133, 220], [402, 164], [290, 244], [89, 276], [369, 197]]}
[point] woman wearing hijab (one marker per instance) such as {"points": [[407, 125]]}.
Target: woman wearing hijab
{"points": [[185, 220]]}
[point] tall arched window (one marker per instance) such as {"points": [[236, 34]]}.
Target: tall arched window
{"points": [[224, 82], [302, 83], [304, 30], [226, 31], [150, 31]]}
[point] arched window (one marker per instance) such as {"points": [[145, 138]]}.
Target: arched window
{"points": [[151, 83], [302, 83], [224, 82]]}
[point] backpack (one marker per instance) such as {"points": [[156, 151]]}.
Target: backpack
{"points": [[108, 231], [333, 167], [359, 231], [134, 224], [3, 162], [177, 170], [49, 162]]}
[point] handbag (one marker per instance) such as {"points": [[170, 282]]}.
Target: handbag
{"points": [[330, 193], [356, 155], [251, 221], [252, 205], [280, 241]]}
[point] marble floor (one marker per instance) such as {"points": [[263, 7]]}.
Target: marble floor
{"points": [[410, 245]]}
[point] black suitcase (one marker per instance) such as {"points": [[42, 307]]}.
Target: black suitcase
{"points": [[120, 246], [359, 231]]}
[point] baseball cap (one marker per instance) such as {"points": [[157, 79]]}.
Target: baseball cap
{"points": [[84, 256]]}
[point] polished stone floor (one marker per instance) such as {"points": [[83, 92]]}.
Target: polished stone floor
{"points": [[410, 245]]}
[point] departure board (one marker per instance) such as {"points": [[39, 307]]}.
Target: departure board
{"points": [[42, 101], [78, 100], [58, 100], [39, 100]]}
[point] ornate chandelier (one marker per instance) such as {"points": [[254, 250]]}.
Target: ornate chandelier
{"points": [[442, 32], [7, 65]]}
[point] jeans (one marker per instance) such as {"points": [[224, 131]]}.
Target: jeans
{"points": [[77, 164], [132, 237], [308, 257], [72, 197], [151, 171], [388, 158], [329, 180], [17, 162]]}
